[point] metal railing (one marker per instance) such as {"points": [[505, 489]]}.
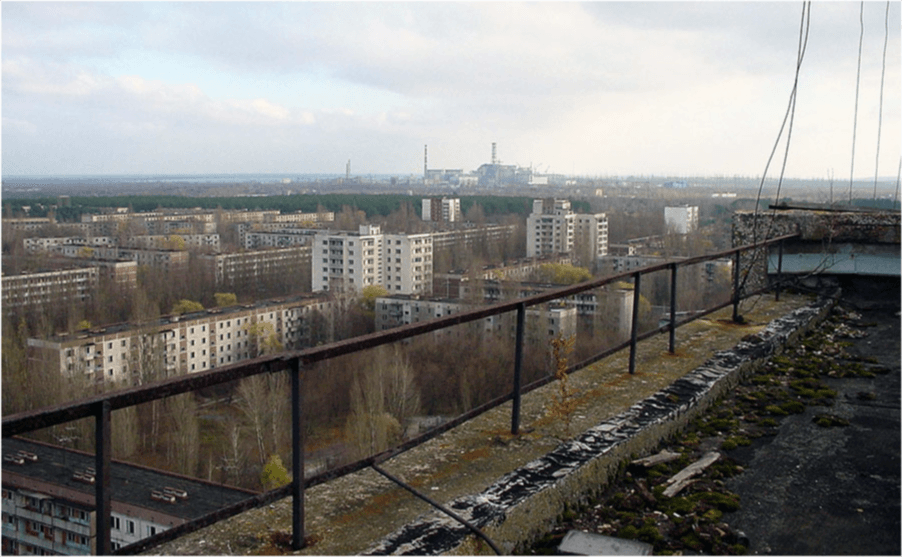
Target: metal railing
{"points": [[100, 406]]}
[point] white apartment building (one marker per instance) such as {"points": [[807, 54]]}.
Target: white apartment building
{"points": [[591, 235], [402, 263], [442, 210], [347, 260], [284, 238], [238, 270], [408, 263], [394, 311], [681, 220], [550, 228], [178, 345]]}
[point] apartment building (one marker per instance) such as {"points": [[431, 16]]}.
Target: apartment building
{"points": [[43, 290], [394, 311], [165, 259], [35, 291], [282, 238], [408, 263], [468, 237], [550, 227], [442, 210], [681, 220], [244, 269], [344, 260], [204, 242], [177, 345], [49, 507], [591, 235]]}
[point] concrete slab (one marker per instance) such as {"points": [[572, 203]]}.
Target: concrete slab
{"points": [[577, 542]]}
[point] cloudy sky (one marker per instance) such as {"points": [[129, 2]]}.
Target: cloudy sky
{"points": [[601, 88]]}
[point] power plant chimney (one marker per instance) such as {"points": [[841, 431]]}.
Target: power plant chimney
{"points": [[348, 170], [494, 154], [425, 162]]}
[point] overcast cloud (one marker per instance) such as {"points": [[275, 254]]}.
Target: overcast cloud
{"points": [[600, 88]]}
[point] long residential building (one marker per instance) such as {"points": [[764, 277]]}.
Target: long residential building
{"points": [[49, 506], [243, 270], [47, 289], [394, 311], [177, 345]]}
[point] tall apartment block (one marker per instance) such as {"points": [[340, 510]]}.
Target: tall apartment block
{"points": [[402, 263], [550, 228], [681, 220], [347, 260], [591, 236], [441, 210]]}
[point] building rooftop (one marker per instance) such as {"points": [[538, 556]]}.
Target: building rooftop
{"points": [[130, 483]]}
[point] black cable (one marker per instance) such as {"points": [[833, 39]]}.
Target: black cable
{"points": [[857, 82], [880, 113]]}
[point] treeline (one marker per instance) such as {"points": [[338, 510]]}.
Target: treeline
{"points": [[372, 205]]}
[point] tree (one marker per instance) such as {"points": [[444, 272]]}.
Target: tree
{"points": [[224, 299], [381, 397], [186, 306], [368, 296], [557, 273], [274, 474]]}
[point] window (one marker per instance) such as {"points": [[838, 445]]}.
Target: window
{"points": [[130, 526], [151, 530], [115, 523]]}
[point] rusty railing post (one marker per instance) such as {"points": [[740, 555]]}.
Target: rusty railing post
{"points": [[673, 305], [736, 288], [297, 461], [779, 271], [518, 366], [102, 495], [634, 326]]}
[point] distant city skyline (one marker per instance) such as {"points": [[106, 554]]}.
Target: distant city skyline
{"points": [[591, 89]]}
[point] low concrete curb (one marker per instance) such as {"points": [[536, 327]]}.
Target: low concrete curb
{"points": [[526, 502]]}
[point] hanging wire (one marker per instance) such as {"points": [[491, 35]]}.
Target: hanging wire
{"points": [[857, 82], [788, 116], [880, 114], [898, 177]]}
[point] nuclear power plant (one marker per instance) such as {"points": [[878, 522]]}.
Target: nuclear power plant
{"points": [[493, 174]]}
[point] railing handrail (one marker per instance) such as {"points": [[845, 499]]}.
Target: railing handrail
{"points": [[31, 420], [101, 406]]}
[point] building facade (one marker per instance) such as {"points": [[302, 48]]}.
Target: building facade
{"points": [[550, 228], [348, 261], [178, 345], [442, 210], [681, 220]]}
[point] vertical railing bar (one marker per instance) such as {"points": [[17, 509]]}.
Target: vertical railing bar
{"points": [[779, 272], [518, 367], [673, 307], [736, 288], [297, 461], [102, 464], [634, 326]]}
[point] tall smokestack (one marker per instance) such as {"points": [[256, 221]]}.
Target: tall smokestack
{"points": [[348, 170], [494, 154], [425, 161]]}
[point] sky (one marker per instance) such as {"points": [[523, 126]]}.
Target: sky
{"points": [[589, 89]]}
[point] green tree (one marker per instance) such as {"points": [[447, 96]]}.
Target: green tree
{"points": [[557, 273], [224, 299], [274, 474], [186, 306], [368, 297]]}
